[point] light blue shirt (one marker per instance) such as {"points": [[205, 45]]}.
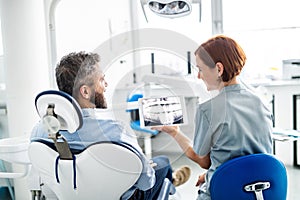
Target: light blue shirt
{"points": [[232, 124], [97, 130]]}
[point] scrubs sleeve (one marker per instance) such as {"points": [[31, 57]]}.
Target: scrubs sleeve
{"points": [[203, 137]]}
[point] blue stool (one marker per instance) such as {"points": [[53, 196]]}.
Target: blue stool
{"points": [[255, 176]]}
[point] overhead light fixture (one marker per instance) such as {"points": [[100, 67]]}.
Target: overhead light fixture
{"points": [[170, 8]]}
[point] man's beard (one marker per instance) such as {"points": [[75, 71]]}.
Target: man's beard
{"points": [[99, 100]]}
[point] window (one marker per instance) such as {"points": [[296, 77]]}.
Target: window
{"points": [[267, 30], [173, 61], [89, 24]]}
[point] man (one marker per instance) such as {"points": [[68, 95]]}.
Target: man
{"points": [[79, 75]]}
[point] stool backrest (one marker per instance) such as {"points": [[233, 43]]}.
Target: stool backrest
{"points": [[255, 176]]}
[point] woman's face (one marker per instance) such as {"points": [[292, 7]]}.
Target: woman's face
{"points": [[210, 76]]}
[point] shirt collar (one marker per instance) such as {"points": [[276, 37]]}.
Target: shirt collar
{"points": [[232, 88], [98, 113], [88, 112]]}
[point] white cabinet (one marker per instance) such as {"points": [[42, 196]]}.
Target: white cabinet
{"points": [[283, 92]]}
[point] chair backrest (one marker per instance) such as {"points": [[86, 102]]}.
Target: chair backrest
{"points": [[238, 178], [102, 171]]}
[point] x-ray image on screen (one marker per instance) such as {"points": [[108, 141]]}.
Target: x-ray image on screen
{"points": [[159, 111]]}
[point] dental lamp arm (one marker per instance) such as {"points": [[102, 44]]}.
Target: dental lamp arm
{"points": [[143, 2], [200, 7], [200, 11]]}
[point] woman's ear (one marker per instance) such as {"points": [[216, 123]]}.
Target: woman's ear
{"points": [[220, 68]]}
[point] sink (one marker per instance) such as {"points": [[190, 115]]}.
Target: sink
{"points": [[15, 149]]}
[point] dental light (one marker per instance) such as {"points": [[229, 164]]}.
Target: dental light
{"points": [[170, 8]]}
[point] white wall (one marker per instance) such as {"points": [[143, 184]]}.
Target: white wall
{"points": [[26, 67]]}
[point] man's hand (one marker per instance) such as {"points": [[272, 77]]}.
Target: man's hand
{"points": [[152, 164], [201, 179]]}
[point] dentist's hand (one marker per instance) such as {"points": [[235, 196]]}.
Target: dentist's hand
{"points": [[171, 130]]}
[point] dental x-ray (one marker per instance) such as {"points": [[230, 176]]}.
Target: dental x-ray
{"points": [[160, 111]]}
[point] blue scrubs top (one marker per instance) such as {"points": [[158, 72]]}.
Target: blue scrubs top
{"points": [[234, 123], [97, 129]]}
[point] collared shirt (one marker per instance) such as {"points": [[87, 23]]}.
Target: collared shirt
{"points": [[97, 129], [234, 123]]}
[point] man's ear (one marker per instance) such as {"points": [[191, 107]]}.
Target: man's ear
{"points": [[220, 68], [85, 91]]}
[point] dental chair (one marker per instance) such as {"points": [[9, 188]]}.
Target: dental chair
{"points": [[104, 170], [255, 176], [144, 133]]}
